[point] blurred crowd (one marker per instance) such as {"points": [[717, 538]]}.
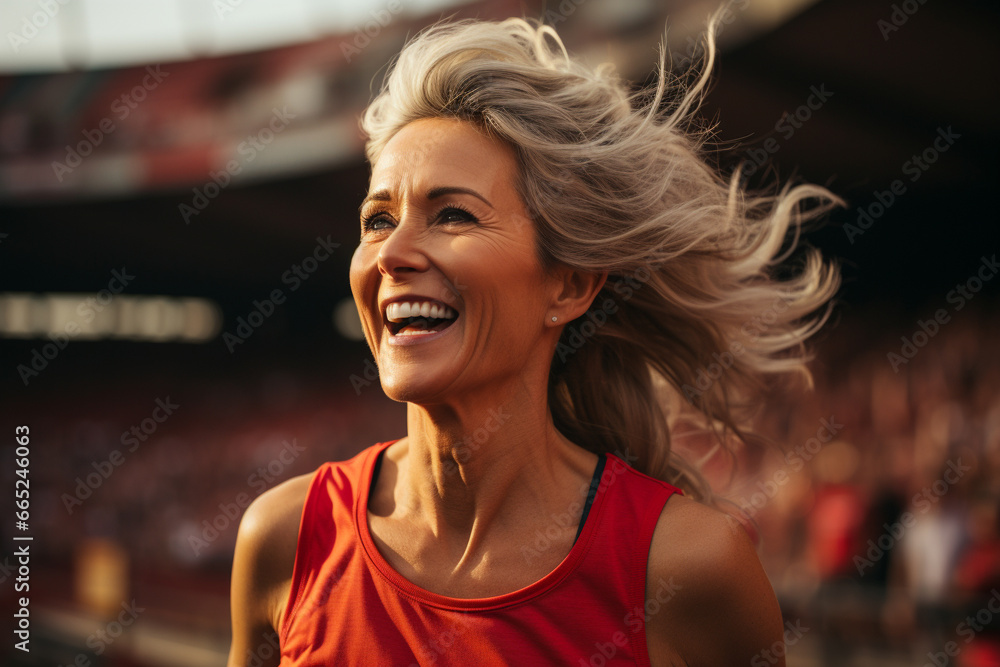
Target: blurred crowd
{"points": [[878, 522], [174, 497]]}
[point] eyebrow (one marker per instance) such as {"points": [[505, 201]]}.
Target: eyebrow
{"points": [[433, 193]]}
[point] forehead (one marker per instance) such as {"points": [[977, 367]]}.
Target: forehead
{"points": [[445, 151]]}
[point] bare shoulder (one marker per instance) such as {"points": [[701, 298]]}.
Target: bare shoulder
{"points": [[721, 608], [263, 563], [692, 538], [269, 534]]}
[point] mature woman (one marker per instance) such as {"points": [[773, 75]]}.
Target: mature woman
{"points": [[546, 265]]}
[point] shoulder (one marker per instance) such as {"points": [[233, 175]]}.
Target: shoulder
{"points": [[721, 609], [265, 557]]}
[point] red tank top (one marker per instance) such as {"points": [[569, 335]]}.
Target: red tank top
{"points": [[348, 606]]}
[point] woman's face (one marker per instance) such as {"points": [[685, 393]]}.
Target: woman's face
{"points": [[443, 227]]}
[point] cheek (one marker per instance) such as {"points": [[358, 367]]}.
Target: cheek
{"points": [[518, 292], [364, 288], [358, 271], [363, 282]]}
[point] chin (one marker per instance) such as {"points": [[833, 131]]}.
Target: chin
{"points": [[412, 386]]}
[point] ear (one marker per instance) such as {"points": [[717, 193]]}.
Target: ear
{"points": [[575, 291]]}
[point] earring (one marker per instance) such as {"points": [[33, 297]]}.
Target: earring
{"points": [[555, 319]]}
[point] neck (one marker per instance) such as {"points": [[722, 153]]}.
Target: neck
{"points": [[470, 468]]}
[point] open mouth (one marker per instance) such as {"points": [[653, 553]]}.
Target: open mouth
{"points": [[418, 318], [415, 326]]}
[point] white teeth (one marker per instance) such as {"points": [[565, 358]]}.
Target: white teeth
{"points": [[399, 311], [416, 332]]}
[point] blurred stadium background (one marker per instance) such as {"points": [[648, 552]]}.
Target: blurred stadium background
{"points": [[167, 166]]}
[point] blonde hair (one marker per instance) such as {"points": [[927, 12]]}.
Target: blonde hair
{"points": [[616, 182]]}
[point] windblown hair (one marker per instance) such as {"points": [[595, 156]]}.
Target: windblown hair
{"points": [[695, 315]]}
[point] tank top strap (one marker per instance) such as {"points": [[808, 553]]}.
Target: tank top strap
{"points": [[591, 493]]}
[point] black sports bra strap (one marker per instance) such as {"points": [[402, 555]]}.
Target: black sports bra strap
{"points": [[375, 471], [595, 483], [591, 493]]}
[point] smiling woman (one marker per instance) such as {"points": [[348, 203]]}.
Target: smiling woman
{"points": [[433, 217], [546, 265]]}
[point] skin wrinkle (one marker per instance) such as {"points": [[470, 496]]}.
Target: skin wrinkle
{"points": [[435, 526]]}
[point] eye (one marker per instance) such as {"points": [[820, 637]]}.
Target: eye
{"points": [[376, 221], [454, 213]]}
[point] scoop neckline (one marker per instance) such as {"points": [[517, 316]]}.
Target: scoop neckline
{"points": [[405, 587]]}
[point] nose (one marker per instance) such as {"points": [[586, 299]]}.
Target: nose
{"points": [[404, 250]]}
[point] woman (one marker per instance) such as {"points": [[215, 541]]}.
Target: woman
{"points": [[545, 263]]}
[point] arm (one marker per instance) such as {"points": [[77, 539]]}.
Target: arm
{"points": [[262, 572], [719, 606]]}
